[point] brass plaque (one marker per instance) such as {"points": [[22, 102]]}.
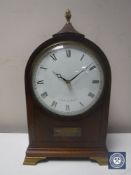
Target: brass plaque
{"points": [[67, 132]]}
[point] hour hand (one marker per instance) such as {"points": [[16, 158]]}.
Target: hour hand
{"points": [[66, 81], [59, 76]]}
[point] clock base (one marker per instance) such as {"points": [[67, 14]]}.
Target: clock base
{"points": [[35, 155]]}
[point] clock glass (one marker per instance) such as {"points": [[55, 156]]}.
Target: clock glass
{"points": [[67, 78]]}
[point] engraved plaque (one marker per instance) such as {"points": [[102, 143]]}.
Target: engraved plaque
{"points": [[67, 132]]}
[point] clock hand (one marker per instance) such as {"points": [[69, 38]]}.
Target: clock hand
{"points": [[66, 81], [59, 76], [79, 73]]}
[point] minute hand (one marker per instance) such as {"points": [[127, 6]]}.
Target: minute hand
{"points": [[79, 73]]}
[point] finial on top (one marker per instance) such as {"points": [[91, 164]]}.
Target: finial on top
{"points": [[68, 15], [68, 27]]}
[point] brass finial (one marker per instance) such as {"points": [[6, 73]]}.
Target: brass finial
{"points": [[68, 15]]}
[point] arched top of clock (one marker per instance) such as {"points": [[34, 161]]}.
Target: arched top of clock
{"points": [[68, 27]]}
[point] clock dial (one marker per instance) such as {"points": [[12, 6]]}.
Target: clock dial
{"points": [[67, 78]]}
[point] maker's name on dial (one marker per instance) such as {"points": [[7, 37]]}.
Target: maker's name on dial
{"points": [[68, 100]]}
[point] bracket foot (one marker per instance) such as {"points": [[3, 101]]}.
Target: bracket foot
{"points": [[100, 160], [32, 160]]}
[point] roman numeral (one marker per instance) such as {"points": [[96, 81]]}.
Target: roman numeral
{"points": [[82, 57], [43, 67], [67, 107], [93, 67], [44, 94], [53, 57], [81, 104], [95, 81], [91, 94], [68, 53], [40, 82], [54, 103]]}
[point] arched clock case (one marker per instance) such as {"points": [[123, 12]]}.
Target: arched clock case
{"points": [[55, 134]]}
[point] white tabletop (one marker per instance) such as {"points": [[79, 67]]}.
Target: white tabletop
{"points": [[12, 153]]}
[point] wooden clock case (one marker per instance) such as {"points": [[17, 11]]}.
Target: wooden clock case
{"points": [[83, 136]]}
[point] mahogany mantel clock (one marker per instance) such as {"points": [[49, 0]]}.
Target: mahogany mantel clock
{"points": [[67, 84]]}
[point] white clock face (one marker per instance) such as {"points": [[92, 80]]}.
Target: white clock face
{"points": [[67, 79]]}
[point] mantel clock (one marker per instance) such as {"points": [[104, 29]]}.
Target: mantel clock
{"points": [[67, 85]]}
